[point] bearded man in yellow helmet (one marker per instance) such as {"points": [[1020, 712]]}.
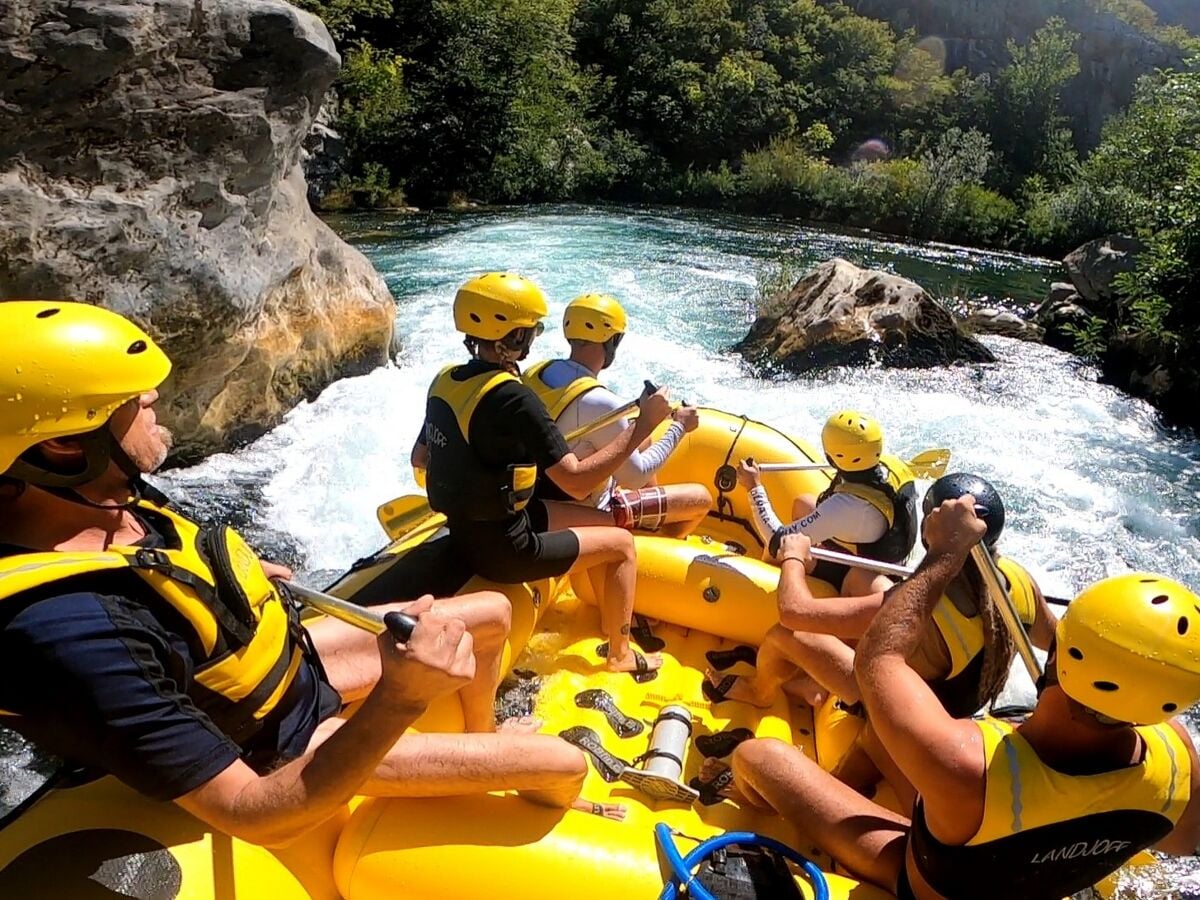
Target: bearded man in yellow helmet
{"points": [[870, 508], [486, 438], [594, 325], [137, 643], [1098, 772]]}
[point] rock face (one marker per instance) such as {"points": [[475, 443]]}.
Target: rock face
{"points": [[1061, 311], [1001, 322], [841, 314], [1094, 267], [150, 161]]}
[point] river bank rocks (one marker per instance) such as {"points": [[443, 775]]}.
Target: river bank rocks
{"points": [[150, 162], [839, 314]]}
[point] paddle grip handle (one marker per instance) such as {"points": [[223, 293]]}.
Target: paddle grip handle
{"points": [[399, 626]]}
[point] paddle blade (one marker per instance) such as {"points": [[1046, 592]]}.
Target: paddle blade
{"points": [[930, 464], [400, 516]]}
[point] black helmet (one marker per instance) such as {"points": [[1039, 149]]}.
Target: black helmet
{"points": [[988, 505]]}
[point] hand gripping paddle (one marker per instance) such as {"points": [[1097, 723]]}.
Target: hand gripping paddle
{"points": [[397, 624]]}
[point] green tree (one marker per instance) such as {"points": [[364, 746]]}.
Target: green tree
{"points": [[1027, 126]]}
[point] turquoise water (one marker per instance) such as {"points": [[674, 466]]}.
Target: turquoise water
{"points": [[1093, 483]]}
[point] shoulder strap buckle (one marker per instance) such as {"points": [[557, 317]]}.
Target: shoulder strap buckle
{"points": [[152, 558]]}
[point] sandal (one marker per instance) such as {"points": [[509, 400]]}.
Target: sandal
{"points": [[722, 743], [716, 692], [609, 766], [624, 726], [710, 791], [726, 659]]}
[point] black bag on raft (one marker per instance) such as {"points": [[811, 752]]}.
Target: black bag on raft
{"points": [[753, 873]]}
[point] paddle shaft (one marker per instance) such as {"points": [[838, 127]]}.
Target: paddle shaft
{"points": [[860, 562], [994, 582], [398, 624]]}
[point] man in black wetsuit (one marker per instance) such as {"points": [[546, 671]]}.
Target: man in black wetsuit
{"points": [[485, 438], [135, 642]]}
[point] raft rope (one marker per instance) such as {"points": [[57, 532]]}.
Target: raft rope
{"points": [[681, 866], [722, 500]]}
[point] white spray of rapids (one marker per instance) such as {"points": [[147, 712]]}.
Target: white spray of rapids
{"points": [[1092, 483]]}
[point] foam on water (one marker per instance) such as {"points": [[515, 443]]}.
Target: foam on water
{"points": [[1093, 484]]}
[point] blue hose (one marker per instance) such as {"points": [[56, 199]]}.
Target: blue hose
{"points": [[681, 866]]}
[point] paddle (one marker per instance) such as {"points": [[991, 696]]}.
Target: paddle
{"points": [[608, 418], [994, 582], [397, 624], [929, 464]]}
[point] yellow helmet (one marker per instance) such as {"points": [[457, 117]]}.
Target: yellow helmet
{"points": [[69, 368], [1128, 647], [852, 442], [594, 318], [492, 305]]}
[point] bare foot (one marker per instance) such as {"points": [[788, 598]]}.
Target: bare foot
{"points": [[629, 662], [614, 811], [805, 689], [519, 725], [740, 688], [711, 770]]}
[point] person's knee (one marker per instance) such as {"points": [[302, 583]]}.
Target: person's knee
{"points": [[624, 544], [565, 761], [497, 611], [758, 754]]}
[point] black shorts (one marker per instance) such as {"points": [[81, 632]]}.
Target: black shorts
{"points": [[520, 549], [834, 573], [429, 568]]}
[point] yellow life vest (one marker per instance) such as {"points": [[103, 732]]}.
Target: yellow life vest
{"points": [[459, 483], [891, 488], [556, 400], [1049, 834], [248, 637], [963, 633]]}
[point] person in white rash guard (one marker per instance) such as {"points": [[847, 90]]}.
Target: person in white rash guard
{"points": [[595, 324], [868, 510]]}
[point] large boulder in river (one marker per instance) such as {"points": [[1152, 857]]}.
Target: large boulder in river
{"points": [[150, 162], [1094, 267], [840, 314]]}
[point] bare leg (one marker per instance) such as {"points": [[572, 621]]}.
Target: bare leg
{"points": [[878, 754], [544, 768], [828, 660], [687, 505], [612, 549], [864, 837], [351, 658]]}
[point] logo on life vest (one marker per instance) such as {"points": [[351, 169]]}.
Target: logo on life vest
{"points": [[1100, 847], [434, 436]]}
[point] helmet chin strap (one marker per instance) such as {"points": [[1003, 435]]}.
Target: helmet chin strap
{"points": [[100, 447]]}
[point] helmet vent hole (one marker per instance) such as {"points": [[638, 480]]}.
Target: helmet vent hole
{"points": [[136, 347], [1170, 707], [500, 317], [47, 313], [1182, 625], [1106, 686], [475, 318], [1075, 653], [1149, 580], [1161, 598]]}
